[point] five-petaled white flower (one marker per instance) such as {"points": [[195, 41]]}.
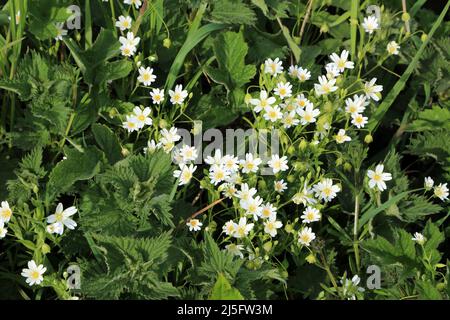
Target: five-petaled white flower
{"points": [[283, 89], [371, 89], [280, 186], [62, 217], [242, 228], [303, 74], [370, 24], [359, 120], [308, 114], [146, 76], [157, 95], [235, 249], [341, 137], [194, 225], [419, 238], [229, 228], [142, 117], [273, 114], [250, 163], [185, 173], [34, 273], [137, 3], [392, 48], [131, 124], [263, 102], [268, 211], [340, 62], [310, 214], [124, 23], [428, 183], [278, 164], [325, 85], [271, 226], [273, 67], [178, 95], [326, 190], [305, 236], [441, 191], [355, 105], [5, 212], [61, 32], [378, 177]]}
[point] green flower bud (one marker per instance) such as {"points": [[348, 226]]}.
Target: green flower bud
{"points": [[125, 152], [339, 161], [303, 144], [291, 150], [291, 178], [368, 139], [247, 98], [163, 123], [324, 28], [268, 246], [405, 17], [328, 107], [153, 58], [167, 43], [289, 228], [262, 184], [311, 258], [423, 37], [299, 166], [348, 167], [45, 248]]}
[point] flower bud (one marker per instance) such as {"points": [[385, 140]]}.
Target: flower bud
{"points": [[167, 43], [267, 246], [424, 37], [289, 228], [291, 150], [163, 123], [291, 178], [324, 28], [262, 184], [125, 152], [311, 258], [368, 139], [405, 17], [153, 58], [303, 144], [247, 98], [348, 167], [45, 248]]}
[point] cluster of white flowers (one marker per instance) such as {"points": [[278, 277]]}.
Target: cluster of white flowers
{"points": [[5, 217], [440, 191]]}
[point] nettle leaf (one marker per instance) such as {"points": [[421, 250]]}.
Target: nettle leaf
{"points": [[416, 207], [108, 142], [435, 118], [230, 50], [232, 12], [78, 166], [431, 144], [223, 290], [44, 14], [427, 291]]}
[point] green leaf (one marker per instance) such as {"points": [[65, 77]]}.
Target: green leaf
{"points": [[427, 291], [431, 119], [108, 142], [43, 16], [223, 290], [232, 12], [78, 166]]}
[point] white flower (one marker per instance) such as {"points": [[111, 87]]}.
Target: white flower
{"points": [[378, 177], [131, 124], [55, 228], [441, 191], [245, 193], [124, 23], [305, 236], [34, 273], [289, 106], [137, 3], [304, 197], [271, 226], [250, 164], [3, 230], [325, 190], [127, 50], [185, 173], [370, 24], [309, 114], [263, 102], [273, 67], [341, 62], [429, 183], [218, 174], [301, 102], [289, 119], [303, 74], [194, 225], [130, 40], [169, 135], [355, 105], [253, 207], [273, 114], [278, 164], [142, 116], [268, 211], [229, 228], [5, 212], [61, 32], [146, 76], [359, 120], [393, 47], [371, 89], [283, 90], [243, 229], [178, 96], [293, 71], [332, 71], [310, 214], [157, 96], [188, 153], [216, 160], [235, 249], [280, 186], [419, 238], [341, 137], [62, 217], [230, 163], [325, 85], [152, 146]]}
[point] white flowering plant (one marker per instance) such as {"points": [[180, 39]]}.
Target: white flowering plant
{"points": [[337, 188]]}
